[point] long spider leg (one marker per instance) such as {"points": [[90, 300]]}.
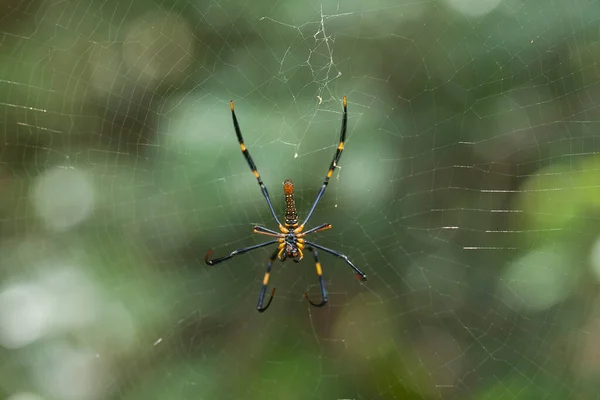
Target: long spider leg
{"points": [[251, 164], [315, 229], [236, 252], [358, 273], [321, 281], [263, 289], [266, 231], [334, 162]]}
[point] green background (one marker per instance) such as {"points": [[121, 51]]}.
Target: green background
{"points": [[468, 192]]}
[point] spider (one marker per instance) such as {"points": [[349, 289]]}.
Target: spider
{"points": [[291, 238]]}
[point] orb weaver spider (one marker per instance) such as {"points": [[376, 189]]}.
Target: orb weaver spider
{"points": [[291, 238]]}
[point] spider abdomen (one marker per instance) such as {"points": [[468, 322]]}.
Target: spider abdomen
{"points": [[291, 216]]}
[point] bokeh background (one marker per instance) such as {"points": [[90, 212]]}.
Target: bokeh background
{"points": [[469, 193]]}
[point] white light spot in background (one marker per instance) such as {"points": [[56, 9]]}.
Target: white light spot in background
{"points": [[473, 8], [75, 297], [25, 396], [70, 373], [25, 312], [62, 300], [192, 126], [159, 45], [118, 326], [104, 63], [508, 122], [357, 179], [63, 197], [539, 280]]}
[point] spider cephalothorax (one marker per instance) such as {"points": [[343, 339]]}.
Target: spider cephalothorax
{"points": [[290, 239], [291, 247]]}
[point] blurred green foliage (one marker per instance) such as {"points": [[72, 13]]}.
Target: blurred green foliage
{"points": [[468, 193]]}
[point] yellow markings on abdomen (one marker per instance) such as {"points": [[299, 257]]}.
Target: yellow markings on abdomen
{"points": [[291, 216], [266, 279]]}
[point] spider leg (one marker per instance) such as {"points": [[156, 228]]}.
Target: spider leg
{"points": [[215, 261], [266, 231], [315, 229], [251, 164], [357, 272], [334, 162], [321, 282], [263, 289]]}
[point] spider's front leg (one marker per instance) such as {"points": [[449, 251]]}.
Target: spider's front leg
{"points": [[261, 230], [234, 253], [322, 227]]}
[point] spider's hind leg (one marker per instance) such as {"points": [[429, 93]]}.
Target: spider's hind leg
{"points": [[324, 298]]}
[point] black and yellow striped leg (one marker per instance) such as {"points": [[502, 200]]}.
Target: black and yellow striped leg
{"points": [[251, 164], [321, 282], [319, 228], [334, 163], [263, 289], [236, 252], [357, 272]]}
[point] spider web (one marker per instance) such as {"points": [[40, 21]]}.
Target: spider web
{"points": [[467, 192]]}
